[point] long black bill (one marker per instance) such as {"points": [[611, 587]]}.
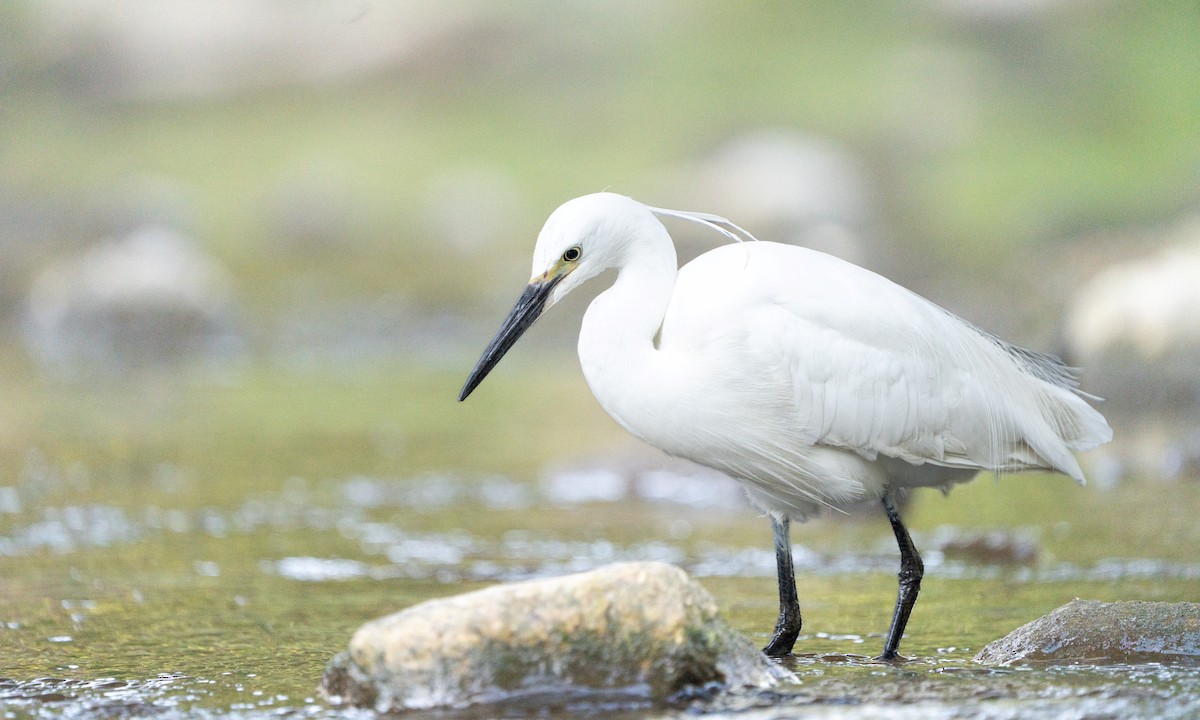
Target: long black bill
{"points": [[529, 306]]}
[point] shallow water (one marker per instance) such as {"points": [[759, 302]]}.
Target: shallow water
{"points": [[151, 577]]}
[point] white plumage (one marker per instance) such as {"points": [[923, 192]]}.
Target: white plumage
{"points": [[811, 380]]}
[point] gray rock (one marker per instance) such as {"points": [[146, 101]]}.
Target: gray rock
{"points": [[311, 208], [994, 13], [781, 185], [991, 547], [1144, 312], [470, 208], [1135, 327], [642, 630], [1093, 632], [206, 48], [142, 301]]}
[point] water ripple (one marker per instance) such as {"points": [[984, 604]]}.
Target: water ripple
{"points": [[401, 552]]}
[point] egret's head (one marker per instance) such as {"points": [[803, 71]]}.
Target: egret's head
{"points": [[590, 234], [586, 236], [581, 239]]}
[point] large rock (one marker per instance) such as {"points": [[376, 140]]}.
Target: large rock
{"points": [[149, 299], [629, 629], [1135, 327], [211, 48], [1146, 311], [781, 185], [1093, 632]]}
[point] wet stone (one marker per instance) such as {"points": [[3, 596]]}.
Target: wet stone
{"points": [[637, 630], [996, 547], [1093, 632]]}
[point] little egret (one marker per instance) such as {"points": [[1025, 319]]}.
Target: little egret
{"points": [[810, 380]]}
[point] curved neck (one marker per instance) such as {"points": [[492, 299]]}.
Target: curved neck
{"points": [[627, 316], [616, 342]]}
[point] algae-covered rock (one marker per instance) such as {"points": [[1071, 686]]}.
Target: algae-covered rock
{"points": [[1088, 631], [639, 629]]}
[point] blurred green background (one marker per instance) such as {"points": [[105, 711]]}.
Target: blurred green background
{"points": [[368, 178], [336, 202], [984, 127]]}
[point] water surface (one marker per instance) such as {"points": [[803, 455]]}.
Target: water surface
{"points": [[207, 557]]}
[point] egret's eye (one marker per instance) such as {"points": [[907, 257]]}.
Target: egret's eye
{"points": [[572, 254]]}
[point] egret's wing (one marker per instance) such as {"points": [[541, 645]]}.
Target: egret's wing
{"points": [[876, 369], [857, 386]]}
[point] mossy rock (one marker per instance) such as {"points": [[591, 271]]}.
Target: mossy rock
{"points": [[628, 629]]}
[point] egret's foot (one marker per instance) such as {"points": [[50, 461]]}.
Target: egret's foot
{"points": [[787, 629], [781, 644], [892, 657]]}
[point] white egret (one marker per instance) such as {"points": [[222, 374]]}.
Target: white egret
{"points": [[812, 381]]}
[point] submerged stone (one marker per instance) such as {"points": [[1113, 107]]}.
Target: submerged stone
{"points": [[641, 629], [1089, 631]]}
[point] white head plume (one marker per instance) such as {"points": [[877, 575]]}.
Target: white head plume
{"points": [[716, 222]]}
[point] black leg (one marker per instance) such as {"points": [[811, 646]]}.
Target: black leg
{"points": [[787, 627], [911, 570]]}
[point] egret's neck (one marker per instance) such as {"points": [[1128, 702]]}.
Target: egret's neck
{"points": [[616, 342], [628, 315]]}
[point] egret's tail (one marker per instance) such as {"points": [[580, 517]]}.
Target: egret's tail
{"points": [[1071, 424]]}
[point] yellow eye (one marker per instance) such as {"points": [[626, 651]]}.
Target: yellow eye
{"points": [[572, 254]]}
